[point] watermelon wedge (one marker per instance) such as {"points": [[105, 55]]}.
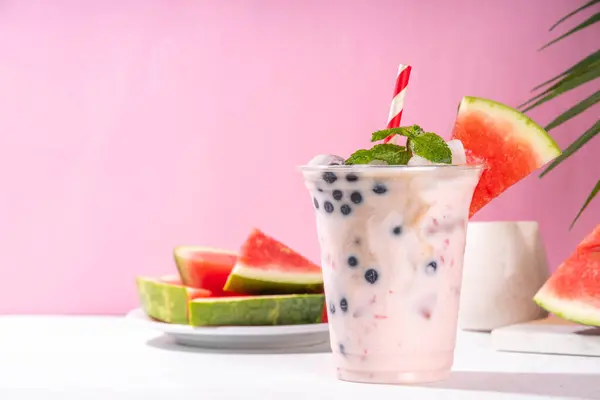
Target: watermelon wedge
{"points": [[573, 290], [166, 299], [510, 144], [204, 267], [266, 266], [257, 310]]}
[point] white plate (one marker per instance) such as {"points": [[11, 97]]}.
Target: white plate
{"points": [[238, 337]]}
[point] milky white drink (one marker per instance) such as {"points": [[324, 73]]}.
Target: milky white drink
{"points": [[392, 244]]}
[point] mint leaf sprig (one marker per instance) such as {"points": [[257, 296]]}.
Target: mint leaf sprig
{"points": [[406, 131], [424, 144], [391, 153]]}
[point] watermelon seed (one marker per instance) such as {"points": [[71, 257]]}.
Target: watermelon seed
{"points": [[371, 275], [344, 305], [332, 308], [342, 349], [352, 261], [346, 209], [356, 197], [316, 203], [337, 194], [379, 188], [357, 241], [329, 177], [431, 268], [328, 206], [397, 230], [351, 177], [319, 189]]}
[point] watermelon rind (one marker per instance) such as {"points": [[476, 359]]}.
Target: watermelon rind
{"points": [[571, 310], [182, 253], [266, 281], [257, 310], [163, 301], [542, 144]]}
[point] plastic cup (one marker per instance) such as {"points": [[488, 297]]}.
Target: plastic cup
{"points": [[392, 245]]}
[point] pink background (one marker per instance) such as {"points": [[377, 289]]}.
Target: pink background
{"points": [[129, 127]]}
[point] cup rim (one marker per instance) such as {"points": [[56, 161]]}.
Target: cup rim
{"points": [[364, 167]]}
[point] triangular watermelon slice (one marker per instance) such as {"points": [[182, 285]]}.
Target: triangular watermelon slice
{"points": [[510, 144], [204, 267], [266, 266], [573, 290]]}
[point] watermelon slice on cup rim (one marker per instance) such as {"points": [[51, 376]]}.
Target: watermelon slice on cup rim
{"points": [[510, 144]]}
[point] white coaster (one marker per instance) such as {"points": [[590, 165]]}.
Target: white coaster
{"points": [[551, 335]]}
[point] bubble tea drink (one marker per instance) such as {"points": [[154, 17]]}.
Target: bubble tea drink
{"points": [[391, 223]]}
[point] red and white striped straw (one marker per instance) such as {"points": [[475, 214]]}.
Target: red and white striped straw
{"points": [[398, 100]]}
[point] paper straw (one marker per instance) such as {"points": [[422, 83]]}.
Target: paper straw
{"points": [[398, 100]]}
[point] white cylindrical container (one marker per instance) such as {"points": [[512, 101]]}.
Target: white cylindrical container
{"points": [[505, 264]]}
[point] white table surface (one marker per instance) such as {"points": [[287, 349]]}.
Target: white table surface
{"points": [[113, 358]]}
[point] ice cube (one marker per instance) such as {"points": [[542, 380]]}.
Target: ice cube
{"points": [[458, 152], [418, 160], [378, 162], [326, 159]]}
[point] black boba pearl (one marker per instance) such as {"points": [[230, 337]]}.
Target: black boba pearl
{"points": [[352, 261], [356, 197], [351, 177], [397, 230], [337, 194], [379, 188], [431, 268], [328, 206], [371, 275], [332, 308], [329, 177], [316, 203], [346, 209], [344, 305]]}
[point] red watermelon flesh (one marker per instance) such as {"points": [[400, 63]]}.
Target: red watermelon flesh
{"points": [[325, 318], [573, 290], [510, 144], [205, 267], [267, 266]]}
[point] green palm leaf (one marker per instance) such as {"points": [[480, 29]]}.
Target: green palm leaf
{"points": [[591, 20], [570, 76], [565, 85], [573, 147], [574, 111], [586, 70], [569, 15], [583, 64], [593, 194]]}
